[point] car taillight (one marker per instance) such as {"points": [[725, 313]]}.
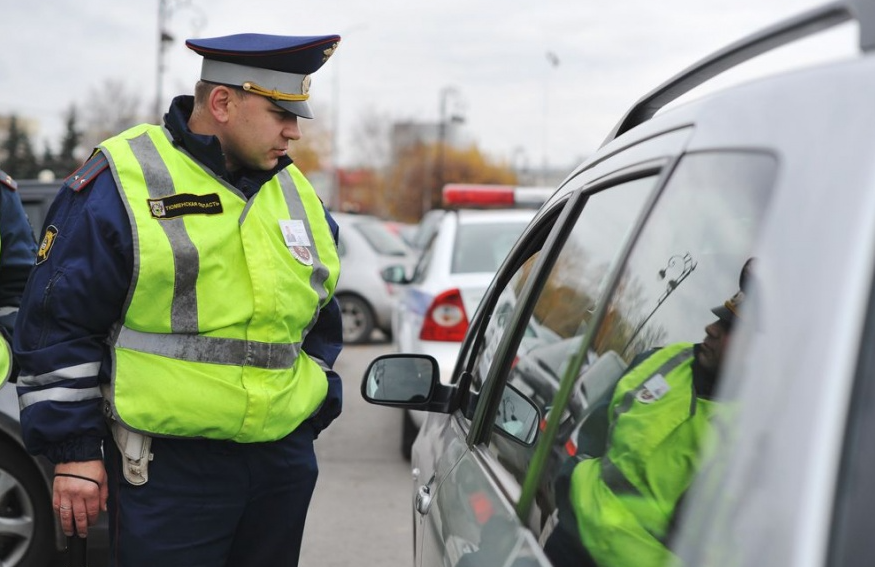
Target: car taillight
{"points": [[445, 319]]}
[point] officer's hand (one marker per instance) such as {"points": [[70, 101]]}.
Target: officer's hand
{"points": [[79, 494]]}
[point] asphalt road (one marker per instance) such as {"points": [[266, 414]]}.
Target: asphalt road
{"points": [[361, 510]]}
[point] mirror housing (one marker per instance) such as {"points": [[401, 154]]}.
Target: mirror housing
{"points": [[395, 274], [412, 381], [408, 381]]}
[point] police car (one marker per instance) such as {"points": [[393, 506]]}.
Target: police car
{"points": [[631, 253], [464, 247]]}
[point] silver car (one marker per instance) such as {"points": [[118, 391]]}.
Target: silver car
{"points": [[632, 253], [366, 246]]}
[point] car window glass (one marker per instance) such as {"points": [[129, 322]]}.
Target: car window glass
{"points": [[689, 255], [481, 247], [685, 264], [565, 302], [382, 240]]}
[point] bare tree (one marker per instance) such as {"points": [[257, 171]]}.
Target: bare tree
{"points": [[372, 140], [111, 108]]}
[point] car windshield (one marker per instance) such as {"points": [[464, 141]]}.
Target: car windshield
{"points": [[481, 247], [381, 239]]}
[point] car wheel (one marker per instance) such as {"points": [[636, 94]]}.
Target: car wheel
{"points": [[26, 521], [409, 431], [358, 319]]}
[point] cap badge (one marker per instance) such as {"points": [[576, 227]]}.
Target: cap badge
{"points": [[305, 85]]}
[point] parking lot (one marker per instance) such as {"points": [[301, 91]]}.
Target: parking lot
{"points": [[361, 510]]}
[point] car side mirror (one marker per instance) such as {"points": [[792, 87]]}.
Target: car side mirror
{"points": [[400, 379], [518, 416], [396, 274]]}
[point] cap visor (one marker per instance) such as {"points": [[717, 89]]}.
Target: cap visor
{"points": [[723, 313], [301, 109]]}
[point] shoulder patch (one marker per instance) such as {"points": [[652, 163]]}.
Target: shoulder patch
{"points": [[80, 178], [7, 181]]}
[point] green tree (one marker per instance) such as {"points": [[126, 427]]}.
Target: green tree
{"points": [[19, 160], [66, 161], [48, 160]]}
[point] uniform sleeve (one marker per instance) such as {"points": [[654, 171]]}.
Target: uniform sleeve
{"points": [[324, 343], [75, 293], [17, 254]]}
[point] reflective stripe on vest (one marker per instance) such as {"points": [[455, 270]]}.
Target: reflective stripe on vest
{"points": [[210, 343], [183, 312], [214, 350]]}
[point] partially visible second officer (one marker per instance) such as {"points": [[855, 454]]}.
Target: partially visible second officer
{"points": [[183, 300], [17, 253]]}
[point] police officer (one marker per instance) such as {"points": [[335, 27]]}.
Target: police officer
{"points": [[17, 253], [618, 507], [179, 330]]}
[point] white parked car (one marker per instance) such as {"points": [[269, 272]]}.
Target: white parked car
{"points": [[366, 246], [465, 249]]}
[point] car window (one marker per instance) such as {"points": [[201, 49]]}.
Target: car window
{"points": [[564, 305], [686, 261], [382, 240], [482, 247]]}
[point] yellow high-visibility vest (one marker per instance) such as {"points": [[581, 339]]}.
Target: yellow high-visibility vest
{"points": [[224, 291]]}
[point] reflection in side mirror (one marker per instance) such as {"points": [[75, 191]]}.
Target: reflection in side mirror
{"points": [[400, 378], [518, 416], [395, 274]]}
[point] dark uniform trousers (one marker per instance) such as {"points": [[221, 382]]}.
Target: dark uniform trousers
{"points": [[213, 503]]}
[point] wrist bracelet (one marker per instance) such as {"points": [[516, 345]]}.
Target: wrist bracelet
{"points": [[80, 477]]}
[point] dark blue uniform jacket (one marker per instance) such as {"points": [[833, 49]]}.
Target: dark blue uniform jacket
{"points": [[77, 291], [17, 251]]}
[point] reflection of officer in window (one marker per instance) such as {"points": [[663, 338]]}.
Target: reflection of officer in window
{"points": [[622, 502]]}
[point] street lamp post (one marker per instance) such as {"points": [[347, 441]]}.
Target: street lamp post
{"points": [[553, 60], [455, 118], [335, 197], [164, 39]]}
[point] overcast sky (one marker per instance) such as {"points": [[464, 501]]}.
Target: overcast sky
{"points": [[397, 56]]}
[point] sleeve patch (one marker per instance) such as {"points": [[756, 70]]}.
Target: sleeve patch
{"points": [[7, 181], [80, 178]]}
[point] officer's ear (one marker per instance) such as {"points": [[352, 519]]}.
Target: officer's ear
{"points": [[220, 103]]}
